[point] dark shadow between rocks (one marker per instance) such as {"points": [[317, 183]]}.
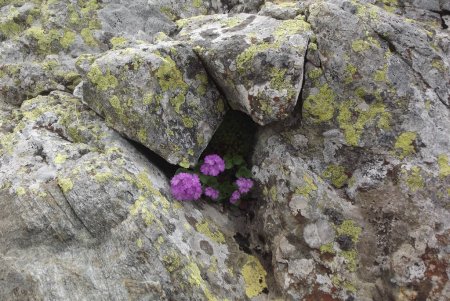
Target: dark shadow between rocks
{"points": [[167, 168]]}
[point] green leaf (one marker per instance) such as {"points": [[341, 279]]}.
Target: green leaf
{"points": [[228, 161], [238, 160], [243, 172]]}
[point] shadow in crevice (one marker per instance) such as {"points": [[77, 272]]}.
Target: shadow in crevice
{"points": [[235, 136], [167, 168]]}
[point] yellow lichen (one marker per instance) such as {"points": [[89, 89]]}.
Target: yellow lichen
{"points": [[320, 106], [102, 82], [336, 174], [60, 159], [65, 184], [414, 180], [254, 277], [204, 228], [67, 39], [349, 228], [307, 188], [405, 145], [444, 167]]}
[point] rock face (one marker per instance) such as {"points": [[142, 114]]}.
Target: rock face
{"points": [[351, 167], [157, 95], [81, 204], [257, 61], [356, 195]]}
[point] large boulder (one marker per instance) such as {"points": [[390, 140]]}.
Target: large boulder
{"points": [[159, 95], [356, 192], [256, 60], [81, 204]]}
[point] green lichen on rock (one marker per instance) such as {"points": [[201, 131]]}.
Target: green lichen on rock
{"points": [[291, 27], [231, 22], [404, 144], [197, 3], [254, 277], [307, 188], [46, 41], [117, 42], [244, 60], [336, 174], [320, 106], [170, 78], [353, 120], [102, 82], [65, 184], [351, 258], [315, 73], [88, 38], [204, 228], [349, 228], [60, 159], [327, 248], [350, 71], [364, 45], [67, 39], [414, 180], [10, 28], [444, 166]]}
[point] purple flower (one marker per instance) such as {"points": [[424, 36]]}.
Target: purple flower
{"points": [[235, 197], [244, 185], [186, 187], [213, 165], [212, 193]]}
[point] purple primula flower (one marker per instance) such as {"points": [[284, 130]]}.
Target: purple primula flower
{"points": [[244, 185], [213, 165], [186, 187], [212, 193], [235, 197]]}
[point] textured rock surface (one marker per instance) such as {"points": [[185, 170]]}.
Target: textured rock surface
{"points": [[80, 204], [352, 186], [256, 60], [374, 130], [157, 95]]}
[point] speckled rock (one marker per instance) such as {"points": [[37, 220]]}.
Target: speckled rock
{"points": [[368, 155], [159, 95], [81, 204], [256, 60], [41, 39], [282, 10]]}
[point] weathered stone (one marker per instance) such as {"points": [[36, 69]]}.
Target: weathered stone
{"points": [[373, 131], [81, 204], [256, 60], [158, 95]]}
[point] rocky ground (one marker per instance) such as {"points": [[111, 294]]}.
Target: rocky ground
{"points": [[100, 101]]}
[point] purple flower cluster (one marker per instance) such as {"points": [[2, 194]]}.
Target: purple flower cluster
{"points": [[212, 193], [235, 196], [186, 187], [244, 185], [213, 165]]}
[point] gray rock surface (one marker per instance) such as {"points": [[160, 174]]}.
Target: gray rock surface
{"points": [[256, 60], [351, 167], [81, 204], [159, 95]]}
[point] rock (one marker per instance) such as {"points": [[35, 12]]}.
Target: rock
{"points": [[81, 204], [158, 95], [318, 234], [281, 11], [369, 157], [257, 61], [351, 175]]}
